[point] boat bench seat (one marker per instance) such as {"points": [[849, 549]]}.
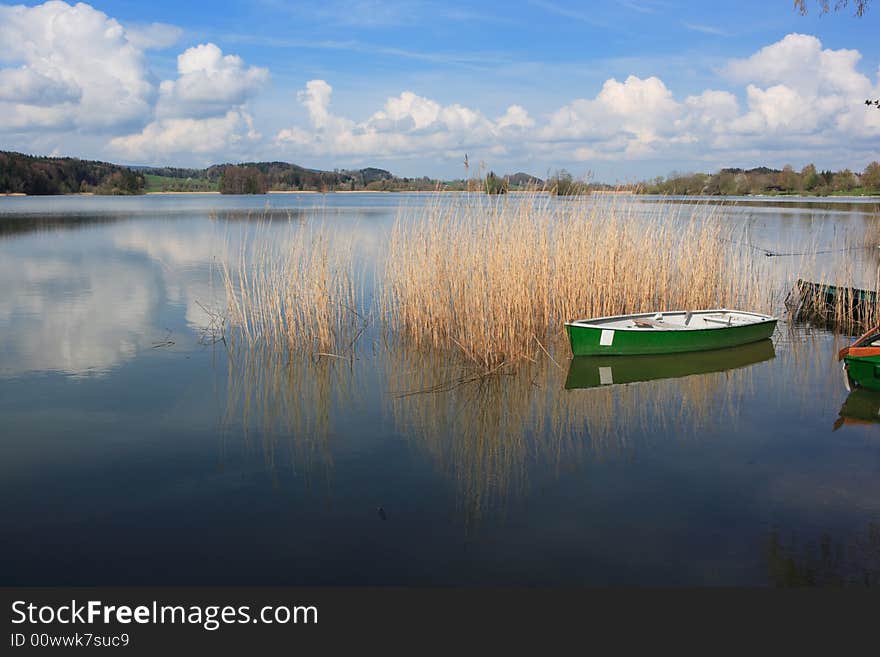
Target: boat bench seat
{"points": [[650, 323], [719, 320]]}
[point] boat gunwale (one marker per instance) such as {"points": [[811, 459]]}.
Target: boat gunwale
{"points": [[862, 359], [592, 322]]}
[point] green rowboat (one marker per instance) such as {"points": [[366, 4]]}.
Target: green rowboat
{"points": [[595, 371], [667, 333], [863, 372], [861, 361]]}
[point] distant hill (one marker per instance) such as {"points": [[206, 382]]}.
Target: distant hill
{"points": [[282, 176], [35, 175], [27, 174]]}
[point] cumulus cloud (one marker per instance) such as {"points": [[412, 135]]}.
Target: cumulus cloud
{"points": [[800, 62], [514, 118], [26, 86], [203, 111], [407, 124], [209, 83], [182, 136], [632, 118], [155, 36], [72, 70], [72, 66], [807, 90], [791, 94]]}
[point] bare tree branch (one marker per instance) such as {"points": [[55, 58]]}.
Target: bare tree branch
{"points": [[825, 6]]}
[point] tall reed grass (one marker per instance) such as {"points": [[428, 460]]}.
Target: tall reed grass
{"points": [[493, 278], [295, 290], [836, 286]]}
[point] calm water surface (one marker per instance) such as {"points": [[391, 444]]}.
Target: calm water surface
{"points": [[136, 449]]}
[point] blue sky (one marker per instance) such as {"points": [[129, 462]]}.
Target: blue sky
{"points": [[620, 89]]}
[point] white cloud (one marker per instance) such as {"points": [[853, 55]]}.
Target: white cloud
{"points": [[72, 69], [629, 116], [515, 117], [70, 74], [316, 99], [799, 62], [407, 124], [154, 36], [209, 83], [24, 85], [202, 112], [807, 91], [792, 95], [71, 66], [183, 136]]}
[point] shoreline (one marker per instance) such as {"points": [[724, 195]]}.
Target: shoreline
{"points": [[770, 197]]}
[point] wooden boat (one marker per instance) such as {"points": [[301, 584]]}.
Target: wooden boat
{"points": [[830, 304], [861, 361], [595, 371], [666, 333]]}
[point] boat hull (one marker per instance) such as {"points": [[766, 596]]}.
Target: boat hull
{"points": [[864, 372], [588, 340]]}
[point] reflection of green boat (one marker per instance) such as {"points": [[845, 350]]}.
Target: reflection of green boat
{"points": [[861, 407], [593, 371], [667, 332]]}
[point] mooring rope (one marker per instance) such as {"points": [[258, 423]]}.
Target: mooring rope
{"points": [[770, 253]]}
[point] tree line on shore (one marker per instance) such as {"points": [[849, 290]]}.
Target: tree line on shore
{"points": [[27, 174], [762, 180], [34, 175]]}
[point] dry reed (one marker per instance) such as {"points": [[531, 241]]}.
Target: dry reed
{"points": [[837, 287], [296, 292], [494, 277]]}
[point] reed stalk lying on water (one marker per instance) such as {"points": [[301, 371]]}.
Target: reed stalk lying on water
{"points": [[297, 290], [494, 277]]}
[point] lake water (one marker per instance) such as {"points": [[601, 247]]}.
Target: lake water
{"points": [[135, 448]]}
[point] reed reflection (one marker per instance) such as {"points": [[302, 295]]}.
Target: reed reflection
{"points": [[807, 373], [478, 429], [494, 435], [286, 407]]}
